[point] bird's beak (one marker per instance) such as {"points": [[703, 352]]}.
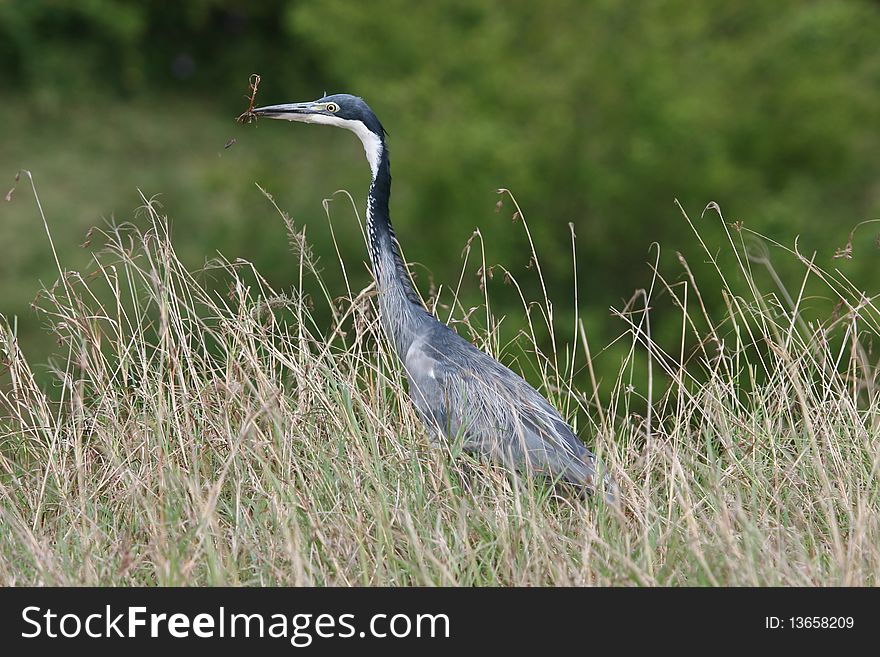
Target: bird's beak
{"points": [[290, 111]]}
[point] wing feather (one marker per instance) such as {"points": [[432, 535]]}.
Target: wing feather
{"points": [[464, 393]]}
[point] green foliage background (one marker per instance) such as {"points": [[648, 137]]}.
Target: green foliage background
{"points": [[595, 113]]}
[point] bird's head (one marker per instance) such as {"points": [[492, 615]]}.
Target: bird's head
{"points": [[340, 110]]}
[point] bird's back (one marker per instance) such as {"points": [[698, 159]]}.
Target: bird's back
{"points": [[469, 396]]}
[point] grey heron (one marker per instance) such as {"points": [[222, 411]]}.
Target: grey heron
{"points": [[459, 391]]}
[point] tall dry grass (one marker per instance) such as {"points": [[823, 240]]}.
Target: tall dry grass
{"points": [[192, 436]]}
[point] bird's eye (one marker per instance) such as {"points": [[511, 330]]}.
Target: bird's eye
{"points": [[332, 107]]}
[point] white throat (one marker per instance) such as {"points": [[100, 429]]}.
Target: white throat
{"points": [[372, 143]]}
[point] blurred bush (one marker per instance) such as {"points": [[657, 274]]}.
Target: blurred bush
{"points": [[55, 48]]}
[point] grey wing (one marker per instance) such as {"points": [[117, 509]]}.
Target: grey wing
{"points": [[467, 395]]}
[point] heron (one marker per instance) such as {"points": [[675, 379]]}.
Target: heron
{"points": [[460, 392]]}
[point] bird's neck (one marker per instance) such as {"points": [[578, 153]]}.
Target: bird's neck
{"points": [[388, 267], [401, 304]]}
